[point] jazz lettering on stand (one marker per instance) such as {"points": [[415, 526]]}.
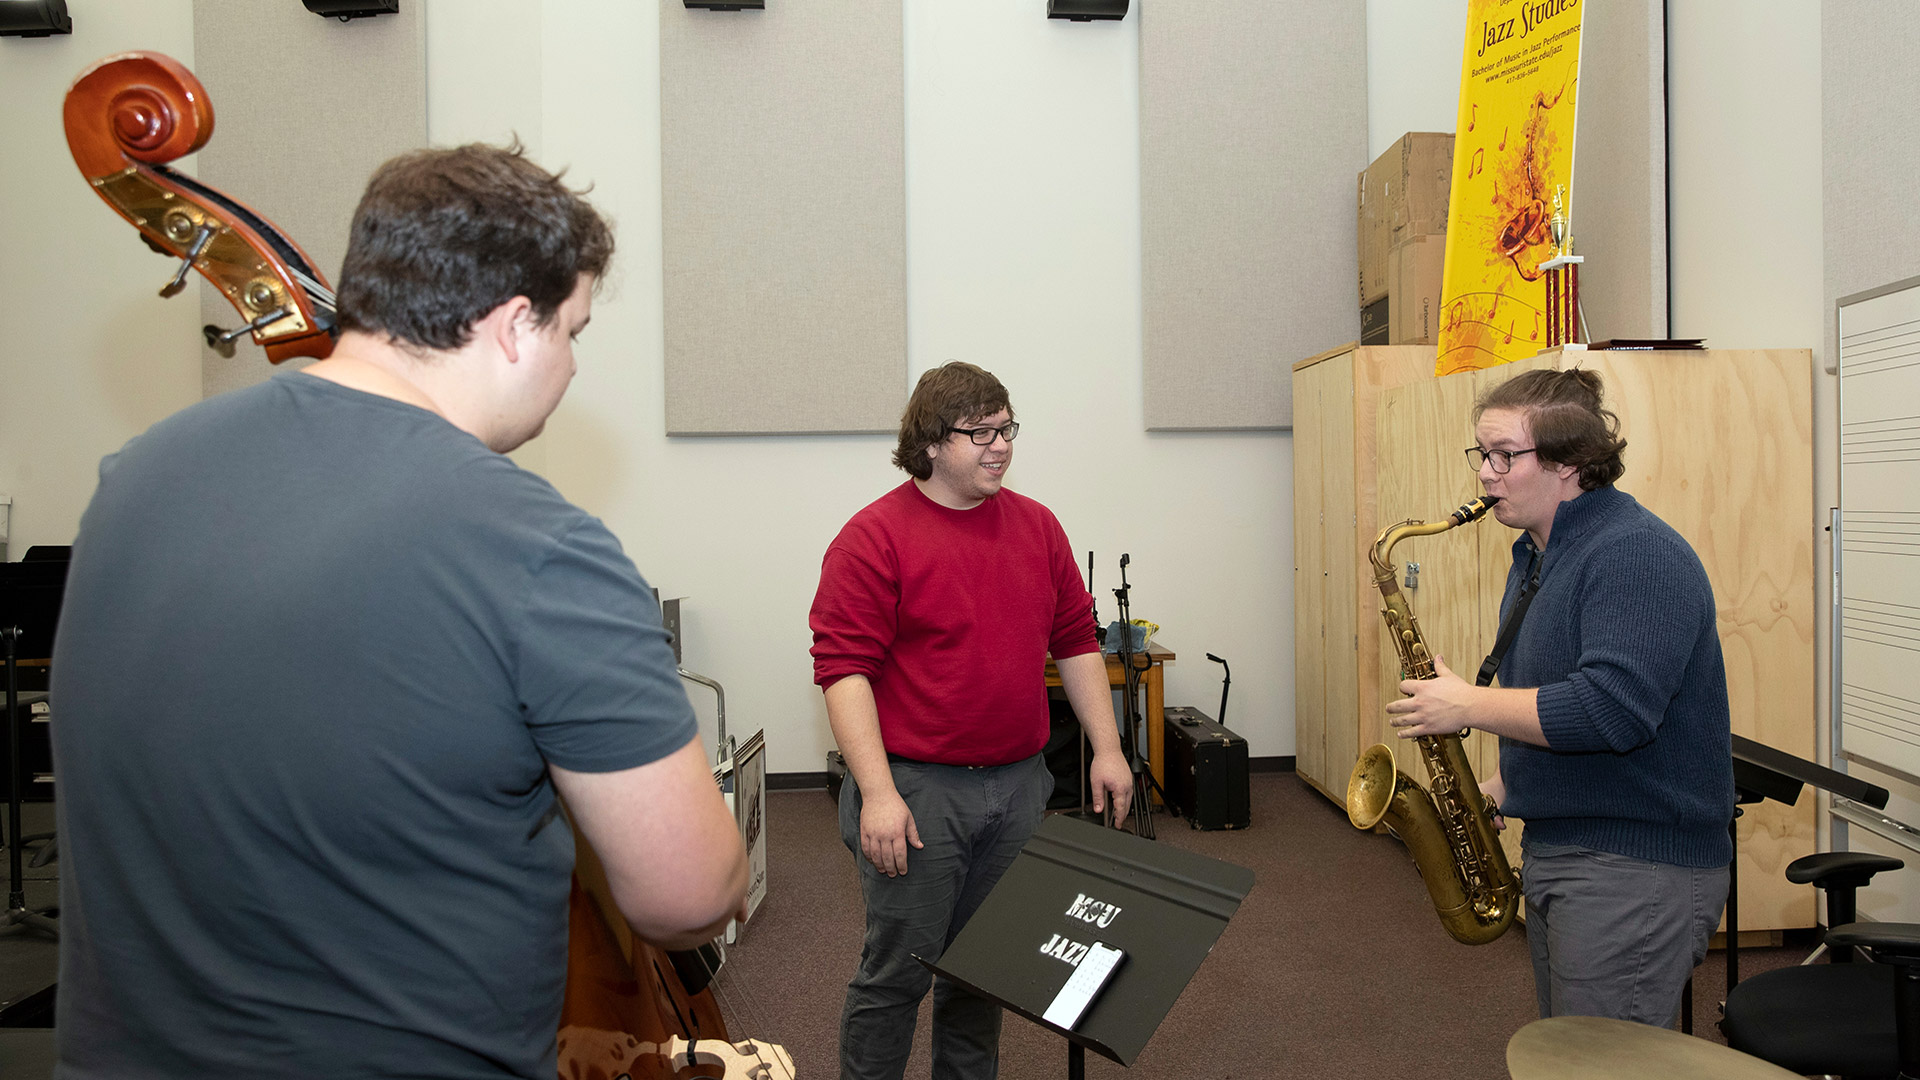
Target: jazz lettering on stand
{"points": [[1095, 913], [1094, 963]]}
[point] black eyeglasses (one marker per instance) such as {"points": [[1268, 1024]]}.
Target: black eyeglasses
{"points": [[1502, 459], [984, 436]]}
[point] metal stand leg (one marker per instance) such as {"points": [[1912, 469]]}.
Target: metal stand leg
{"points": [[1076, 1061], [17, 917]]}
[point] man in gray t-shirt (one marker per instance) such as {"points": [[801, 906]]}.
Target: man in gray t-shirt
{"points": [[327, 662]]}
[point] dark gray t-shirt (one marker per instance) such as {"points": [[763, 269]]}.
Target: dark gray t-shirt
{"points": [[317, 651]]}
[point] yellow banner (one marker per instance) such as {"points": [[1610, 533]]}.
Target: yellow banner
{"points": [[1512, 152]]}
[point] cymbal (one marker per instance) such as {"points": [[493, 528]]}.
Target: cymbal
{"points": [[1595, 1048]]}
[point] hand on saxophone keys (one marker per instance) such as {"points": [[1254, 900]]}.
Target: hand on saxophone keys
{"points": [[1442, 705], [1494, 790]]}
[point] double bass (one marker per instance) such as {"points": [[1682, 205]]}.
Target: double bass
{"points": [[631, 1010]]}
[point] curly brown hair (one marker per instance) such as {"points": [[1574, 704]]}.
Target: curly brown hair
{"points": [[945, 396], [1569, 425]]}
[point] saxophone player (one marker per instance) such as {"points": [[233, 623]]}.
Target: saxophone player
{"points": [[1611, 711]]}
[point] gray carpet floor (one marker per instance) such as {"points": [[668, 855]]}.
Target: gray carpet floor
{"points": [[1334, 967]]}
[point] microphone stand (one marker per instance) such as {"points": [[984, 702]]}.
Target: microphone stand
{"points": [[1100, 638], [1144, 784]]}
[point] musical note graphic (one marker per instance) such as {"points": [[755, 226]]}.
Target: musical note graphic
{"points": [[1478, 163], [1536, 327], [1509, 340], [1471, 114], [1503, 137]]}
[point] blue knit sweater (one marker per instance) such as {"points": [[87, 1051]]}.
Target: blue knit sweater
{"points": [[1621, 641]]}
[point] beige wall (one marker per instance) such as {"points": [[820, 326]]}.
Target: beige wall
{"points": [[89, 354], [1744, 89], [1024, 256]]}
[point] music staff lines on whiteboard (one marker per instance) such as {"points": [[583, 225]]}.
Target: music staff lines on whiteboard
{"points": [[1873, 701], [1889, 532], [1879, 336], [1885, 547], [1892, 732], [1877, 358], [1872, 440], [1882, 365], [1882, 619], [1878, 635], [1891, 641], [1883, 426]]}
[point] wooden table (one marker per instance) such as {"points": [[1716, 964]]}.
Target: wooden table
{"points": [[1152, 678]]}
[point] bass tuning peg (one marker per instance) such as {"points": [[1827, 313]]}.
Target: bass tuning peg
{"points": [[221, 341], [179, 282]]}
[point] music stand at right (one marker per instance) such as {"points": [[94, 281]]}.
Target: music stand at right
{"points": [[1760, 772]]}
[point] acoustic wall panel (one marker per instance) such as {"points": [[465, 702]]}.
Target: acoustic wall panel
{"points": [[783, 190], [1869, 108], [304, 109], [1253, 123], [1620, 170]]}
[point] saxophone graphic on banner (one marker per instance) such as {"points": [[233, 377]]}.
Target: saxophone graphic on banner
{"points": [[1513, 148]]}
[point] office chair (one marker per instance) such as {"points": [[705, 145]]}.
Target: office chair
{"points": [[1838, 1018]]}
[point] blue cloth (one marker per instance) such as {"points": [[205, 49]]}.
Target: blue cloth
{"points": [[1621, 641], [317, 652]]}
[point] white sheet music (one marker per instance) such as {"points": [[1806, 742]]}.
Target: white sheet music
{"points": [[1088, 979]]}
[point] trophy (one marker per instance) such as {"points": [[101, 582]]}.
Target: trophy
{"points": [[1563, 276]]}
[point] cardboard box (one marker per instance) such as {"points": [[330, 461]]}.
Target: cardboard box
{"points": [[1376, 324], [1414, 271], [1402, 196], [1409, 313]]}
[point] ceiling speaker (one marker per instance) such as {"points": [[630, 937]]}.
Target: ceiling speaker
{"points": [[38, 18], [346, 10], [1086, 10]]}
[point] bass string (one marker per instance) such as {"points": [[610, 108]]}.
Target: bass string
{"points": [[737, 999]]}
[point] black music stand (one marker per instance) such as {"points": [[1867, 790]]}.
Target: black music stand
{"points": [[1760, 772], [1077, 883], [30, 595]]}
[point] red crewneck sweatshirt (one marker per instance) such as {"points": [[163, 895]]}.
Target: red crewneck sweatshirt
{"points": [[951, 614]]}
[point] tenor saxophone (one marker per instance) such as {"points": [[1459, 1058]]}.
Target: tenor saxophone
{"points": [[1449, 829]]}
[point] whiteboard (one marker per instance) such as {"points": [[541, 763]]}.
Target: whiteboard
{"points": [[1877, 549]]}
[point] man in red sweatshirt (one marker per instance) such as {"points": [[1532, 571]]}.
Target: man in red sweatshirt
{"points": [[938, 606]]}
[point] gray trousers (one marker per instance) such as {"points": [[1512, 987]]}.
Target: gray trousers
{"points": [[972, 821], [1617, 936]]}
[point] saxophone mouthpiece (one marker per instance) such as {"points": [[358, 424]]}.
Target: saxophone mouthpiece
{"points": [[1474, 510]]}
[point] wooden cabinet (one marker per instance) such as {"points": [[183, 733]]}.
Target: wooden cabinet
{"points": [[1336, 610], [1719, 445]]}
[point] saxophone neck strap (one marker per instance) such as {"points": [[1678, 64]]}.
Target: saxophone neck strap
{"points": [[1511, 627]]}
